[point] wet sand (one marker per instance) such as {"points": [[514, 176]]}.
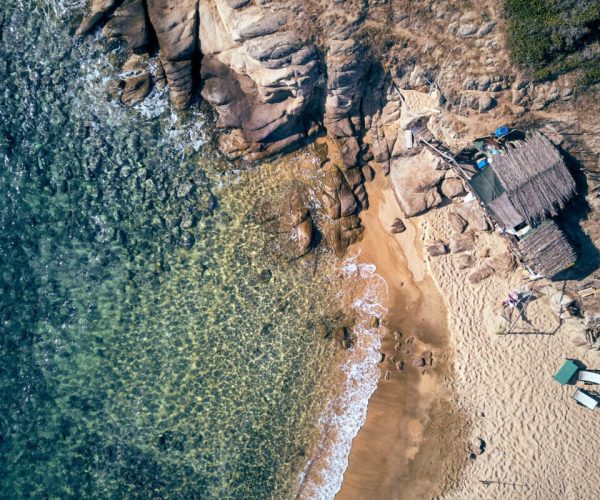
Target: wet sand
{"points": [[413, 442]]}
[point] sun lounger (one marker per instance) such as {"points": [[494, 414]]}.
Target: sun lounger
{"points": [[589, 377], [585, 399]]}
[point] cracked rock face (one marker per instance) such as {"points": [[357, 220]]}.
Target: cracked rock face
{"points": [[259, 76], [258, 69]]}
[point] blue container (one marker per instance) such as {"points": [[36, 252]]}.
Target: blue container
{"points": [[481, 164], [502, 131]]}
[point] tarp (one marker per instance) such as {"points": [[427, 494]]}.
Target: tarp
{"points": [[505, 212], [487, 185], [567, 371]]}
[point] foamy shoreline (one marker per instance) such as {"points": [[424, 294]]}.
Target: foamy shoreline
{"points": [[406, 417], [346, 412]]}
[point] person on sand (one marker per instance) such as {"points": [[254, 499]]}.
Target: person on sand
{"points": [[516, 300]]}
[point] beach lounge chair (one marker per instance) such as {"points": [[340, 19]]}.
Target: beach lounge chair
{"points": [[585, 399], [589, 377], [567, 372]]}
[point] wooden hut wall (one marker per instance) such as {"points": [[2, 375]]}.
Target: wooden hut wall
{"points": [[547, 250]]}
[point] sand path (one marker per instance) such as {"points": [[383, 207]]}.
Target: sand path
{"points": [[410, 445], [538, 443]]}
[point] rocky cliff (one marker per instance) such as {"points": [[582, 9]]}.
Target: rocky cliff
{"points": [[357, 72]]}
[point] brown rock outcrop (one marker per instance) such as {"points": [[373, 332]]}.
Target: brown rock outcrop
{"points": [[415, 184], [137, 83], [99, 9], [176, 28], [129, 23], [337, 197], [258, 75]]}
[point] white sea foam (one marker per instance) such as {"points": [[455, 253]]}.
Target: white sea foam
{"points": [[62, 7], [346, 413]]}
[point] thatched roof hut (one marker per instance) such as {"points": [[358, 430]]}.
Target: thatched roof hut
{"points": [[535, 177], [546, 249]]}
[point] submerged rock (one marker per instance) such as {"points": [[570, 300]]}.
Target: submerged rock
{"points": [[187, 240], [265, 275]]}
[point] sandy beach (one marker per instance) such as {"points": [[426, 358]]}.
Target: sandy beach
{"points": [[411, 421], [486, 420], [538, 442]]}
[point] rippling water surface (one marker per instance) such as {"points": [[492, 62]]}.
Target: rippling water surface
{"points": [[151, 344]]}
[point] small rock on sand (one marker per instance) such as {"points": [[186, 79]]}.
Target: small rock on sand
{"points": [[457, 223], [419, 362], [477, 446], [398, 226], [388, 375], [481, 274], [464, 261], [462, 243], [437, 248]]}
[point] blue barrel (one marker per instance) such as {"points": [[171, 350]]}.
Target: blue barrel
{"points": [[502, 131], [481, 164]]}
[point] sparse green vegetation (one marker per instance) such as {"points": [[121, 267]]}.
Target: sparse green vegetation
{"points": [[551, 37]]}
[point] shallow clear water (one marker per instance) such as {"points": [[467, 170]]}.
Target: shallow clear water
{"points": [[144, 348]]}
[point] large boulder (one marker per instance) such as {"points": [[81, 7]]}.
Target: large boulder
{"points": [[259, 76], [416, 183], [452, 187], [473, 214], [176, 29]]}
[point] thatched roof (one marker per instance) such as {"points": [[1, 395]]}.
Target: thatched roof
{"points": [[546, 250], [535, 177]]}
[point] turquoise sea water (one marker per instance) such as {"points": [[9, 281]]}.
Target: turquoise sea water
{"points": [[152, 344]]}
